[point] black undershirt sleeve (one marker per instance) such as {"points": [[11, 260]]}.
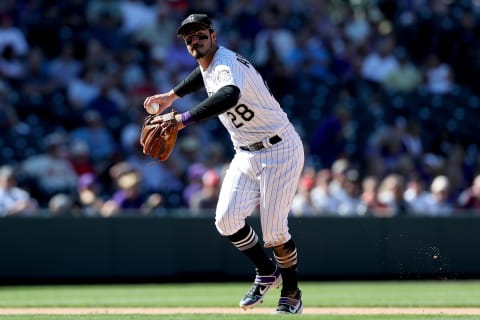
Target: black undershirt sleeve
{"points": [[221, 101], [191, 83]]}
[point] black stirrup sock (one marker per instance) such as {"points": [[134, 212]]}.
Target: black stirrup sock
{"points": [[246, 240]]}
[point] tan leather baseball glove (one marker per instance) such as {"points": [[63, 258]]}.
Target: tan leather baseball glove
{"points": [[158, 139]]}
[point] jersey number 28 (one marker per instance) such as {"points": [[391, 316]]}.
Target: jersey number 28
{"points": [[243, 113]]}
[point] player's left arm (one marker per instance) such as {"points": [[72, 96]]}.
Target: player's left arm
{"points": [[221, 101]]}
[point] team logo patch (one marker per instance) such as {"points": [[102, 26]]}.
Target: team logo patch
{"points": [[223, 75]]}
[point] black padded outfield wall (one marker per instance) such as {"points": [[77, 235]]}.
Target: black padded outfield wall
{"points": [[179, 249]]}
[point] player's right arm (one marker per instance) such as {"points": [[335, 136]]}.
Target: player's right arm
{"points": [[191, 83], [164, 100]]}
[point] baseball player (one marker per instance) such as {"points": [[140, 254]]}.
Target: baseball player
{"points": [[267, 164]]}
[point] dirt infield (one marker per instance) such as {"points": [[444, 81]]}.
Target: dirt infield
{"points": [[319, 311]]}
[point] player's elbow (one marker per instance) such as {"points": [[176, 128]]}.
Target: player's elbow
{"points": [[231, 94]]}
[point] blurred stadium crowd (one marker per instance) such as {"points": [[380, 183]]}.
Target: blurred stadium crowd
{"points": [[384, 94]]}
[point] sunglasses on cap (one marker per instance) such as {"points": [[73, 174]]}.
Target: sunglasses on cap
{"points": [[189, 38]]}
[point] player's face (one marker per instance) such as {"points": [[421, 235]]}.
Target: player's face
{"points": [[200, 43]]}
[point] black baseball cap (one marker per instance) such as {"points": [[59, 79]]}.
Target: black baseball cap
{"points": [[195, 18]]}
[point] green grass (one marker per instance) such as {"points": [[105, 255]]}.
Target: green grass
{"points": [[448, 293]]}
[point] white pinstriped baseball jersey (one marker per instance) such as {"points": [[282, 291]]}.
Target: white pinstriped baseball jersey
{"points": [[258, 114]]}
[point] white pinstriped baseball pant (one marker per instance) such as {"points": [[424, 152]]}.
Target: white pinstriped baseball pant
{"points": [[267, 178]]}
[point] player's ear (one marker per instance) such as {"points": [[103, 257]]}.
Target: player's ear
{"points": [[214, 35]]}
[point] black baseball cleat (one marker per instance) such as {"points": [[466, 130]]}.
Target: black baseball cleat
{"points": [[259, 288], [290, 303]]}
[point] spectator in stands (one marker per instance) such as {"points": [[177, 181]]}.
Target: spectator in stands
{"points": [[387, 151], [136, 95], [84, 88], [188, 151], [216, 158], [311, 56], [14, 201], [457, 169], [322, 200], [130, 132], [128, 198], [328, 141], [95, 10], [302, 204], [64, 67], [339, 169], [12, 68], [411, 136], [357, 28], [406, 78], [80, 158], [369, 196], [11, 35], [380, 62], [194, 183], [207, 197], [136, 15], [350, 204], [164, 23], [98, 137], [109, 102], [61, 205], [390, 196], [274, 38], [162, 177], [438, 75], [9, 119], [88, 199], [469, 199], [38, 87], [100, 58], [243, 16], [416, 194], [438, 203], [178, 61], [51, 171], [131, 75], [106, 28]]}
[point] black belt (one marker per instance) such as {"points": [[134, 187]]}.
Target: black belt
{"points": [[259, 145]]}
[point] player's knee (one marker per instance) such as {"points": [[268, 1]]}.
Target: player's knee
{"points": [[241, 234], [222, 228], [286, 254], [225, 226]]}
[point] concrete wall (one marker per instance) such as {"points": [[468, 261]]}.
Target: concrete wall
{"points": [[176, 249]]}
